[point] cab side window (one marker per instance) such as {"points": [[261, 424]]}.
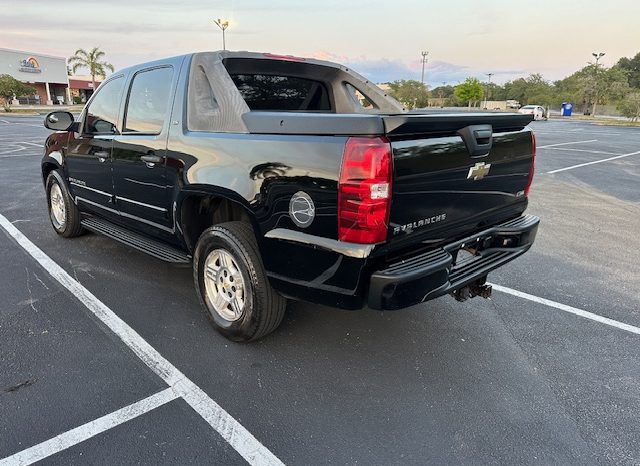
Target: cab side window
{"points": [[102, 114], [148, 101]]}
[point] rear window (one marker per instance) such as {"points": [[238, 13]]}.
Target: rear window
{"points": [[269, 92]]}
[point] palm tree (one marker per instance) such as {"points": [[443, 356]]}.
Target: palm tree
{"points": [[91, 61]]}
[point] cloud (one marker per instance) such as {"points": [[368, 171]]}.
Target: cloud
{"points": [[383, 69]]}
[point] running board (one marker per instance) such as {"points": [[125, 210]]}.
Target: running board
{"points": [[152, 247]]}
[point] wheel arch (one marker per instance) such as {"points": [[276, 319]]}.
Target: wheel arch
{"points": [[48, 165], [199, 207]]}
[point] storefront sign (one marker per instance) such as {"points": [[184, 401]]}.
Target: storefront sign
{"points": [[30, 65]]}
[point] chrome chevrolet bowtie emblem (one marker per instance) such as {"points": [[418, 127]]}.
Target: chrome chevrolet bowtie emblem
{"points": [[479, 171]]}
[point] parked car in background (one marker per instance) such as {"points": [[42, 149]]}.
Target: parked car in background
{"points": [[538, 112], [513, 104]]}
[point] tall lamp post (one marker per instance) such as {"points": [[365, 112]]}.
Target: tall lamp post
{"points": [[488, 89], [597, 56], [223, 24], [424, 62]]}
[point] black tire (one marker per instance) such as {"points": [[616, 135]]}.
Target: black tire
{"points": [[71, 226], [263, 307]]}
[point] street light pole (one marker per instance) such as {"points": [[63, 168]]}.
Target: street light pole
{"points": [[597, 56], [223, 24], [424, 62], [488, 89]]}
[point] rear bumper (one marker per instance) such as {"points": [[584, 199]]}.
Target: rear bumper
{"points": [[435, 273]]}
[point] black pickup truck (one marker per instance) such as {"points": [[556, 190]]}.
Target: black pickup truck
{"points": [[283, 177]]}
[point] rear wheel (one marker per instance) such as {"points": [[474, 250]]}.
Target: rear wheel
{"points": [[232, 284], [63, 213]]}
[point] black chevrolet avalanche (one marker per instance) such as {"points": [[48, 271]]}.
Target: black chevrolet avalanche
{"points": [[281, 177]]}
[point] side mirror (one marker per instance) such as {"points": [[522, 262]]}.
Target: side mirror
{"points": [[59, 121]]}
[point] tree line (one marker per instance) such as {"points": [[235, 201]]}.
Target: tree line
{"points": [[587, 88]]}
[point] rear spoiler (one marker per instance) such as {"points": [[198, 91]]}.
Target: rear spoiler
{"points": [[446, 123], [362, 124]]}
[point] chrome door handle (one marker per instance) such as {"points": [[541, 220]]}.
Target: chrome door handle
{"points": [[151, 159], [102, 155]]}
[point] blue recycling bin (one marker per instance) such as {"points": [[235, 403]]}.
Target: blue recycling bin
{"points": [[566, 109]]}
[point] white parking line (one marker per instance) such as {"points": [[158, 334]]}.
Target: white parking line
{"points": [[593, 163], [590, 132], [31, 143], [13, 151], [90, 429], [566, 144], [20, 123], [229, 428], [570, 309], [572, 149], [15, 156]]}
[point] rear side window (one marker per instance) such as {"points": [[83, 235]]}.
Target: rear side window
{"points": [[148, 101], [282, 93], [102, 113]]}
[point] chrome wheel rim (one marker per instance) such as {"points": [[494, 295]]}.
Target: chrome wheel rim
{"points": [[58, 209], [224, 285]]}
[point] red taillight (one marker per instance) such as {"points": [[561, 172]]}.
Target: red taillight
{"points": [[364, 190], [533, 164]]}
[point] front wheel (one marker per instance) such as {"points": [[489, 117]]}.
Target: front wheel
{"points": [[232, 285], [63, 213]]}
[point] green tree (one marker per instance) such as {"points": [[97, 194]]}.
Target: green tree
{"points": [[10, 87], [444, 94], [593, 85], [539, 90], [411, 93], [632, 67], [496, 92], [574, 88], [470, 91], [531, 90], [92, 61], [613, 84], [630, 106]]}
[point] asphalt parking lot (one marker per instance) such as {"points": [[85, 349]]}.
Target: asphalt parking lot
{"points": [[107, 358]]}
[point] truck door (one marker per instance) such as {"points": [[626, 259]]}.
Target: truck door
{"points": [[88, 156], [139, 152]]}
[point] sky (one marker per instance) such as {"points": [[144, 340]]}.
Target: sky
{"points": [[381, 40]]}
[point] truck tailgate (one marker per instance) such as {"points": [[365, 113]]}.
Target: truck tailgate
{"points": [[456, 173]]}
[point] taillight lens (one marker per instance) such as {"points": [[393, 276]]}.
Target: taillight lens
{"points": [[533, 164], [364, 191]]}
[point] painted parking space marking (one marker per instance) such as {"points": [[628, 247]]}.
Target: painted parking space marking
{"points": [[12, 151], [569, 309], [572, 149], [21, 123], [593, 163], [222, 422], [593, 132], [17, 149], [90, 429], [566, 143]]}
